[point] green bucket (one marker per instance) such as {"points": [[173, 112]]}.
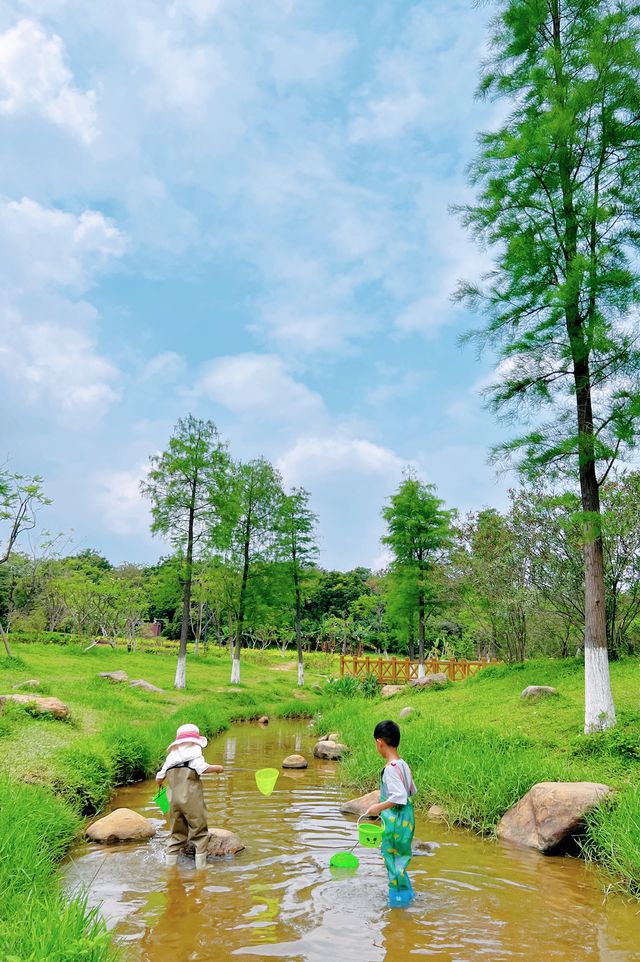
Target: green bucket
{"points": [[370, 836], [162, 800], [346, 860]]}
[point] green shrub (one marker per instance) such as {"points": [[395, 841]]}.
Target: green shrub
{"points": [[12, 663], [130, 753], [623, 740]]}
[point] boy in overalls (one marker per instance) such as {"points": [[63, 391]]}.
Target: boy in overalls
{"points": [[396, 810], [182, 769]]}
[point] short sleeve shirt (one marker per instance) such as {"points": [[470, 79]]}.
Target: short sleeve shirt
{"points": [[398, 782]]}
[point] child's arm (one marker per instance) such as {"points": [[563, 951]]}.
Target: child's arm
{"points": [[374, 810], [213, 770]]}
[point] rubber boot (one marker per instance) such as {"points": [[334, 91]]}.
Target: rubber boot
{"points": [[201, 860], [171, 860]]}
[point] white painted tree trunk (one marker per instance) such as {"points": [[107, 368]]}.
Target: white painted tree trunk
{"points": [[235, 671], [301, 673], [421, 671], [600, 712], [181, 672]]}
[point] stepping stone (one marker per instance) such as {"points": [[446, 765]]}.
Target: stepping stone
{"points": [[295, 761], [122, 825]]}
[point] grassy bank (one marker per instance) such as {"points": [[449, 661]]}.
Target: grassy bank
{"points": [[54, 772], [476, 747]]}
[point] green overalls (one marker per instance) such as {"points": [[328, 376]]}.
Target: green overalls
{"points": [[398, 824], [187, 811]]}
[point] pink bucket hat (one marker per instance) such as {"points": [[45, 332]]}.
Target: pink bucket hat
{"points": [[186, 734]]}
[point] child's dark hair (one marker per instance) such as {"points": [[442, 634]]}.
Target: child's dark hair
{"points": [[388, 732]]}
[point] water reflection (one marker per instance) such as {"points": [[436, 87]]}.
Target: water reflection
{"points": [[278, 899]]}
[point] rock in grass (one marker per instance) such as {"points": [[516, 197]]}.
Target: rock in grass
{"points": [[145, 685], [405, 712], [31, 683], [116, 676], [333, 751], [358, 806], [387, 691], [123, 825], [550, 813], [430, 680], [39, 705], [295, 761], [538, 691], [221, 844], [437, 813]]}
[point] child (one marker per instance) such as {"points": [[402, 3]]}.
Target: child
{"points": [[396, 809], [182, 769]]}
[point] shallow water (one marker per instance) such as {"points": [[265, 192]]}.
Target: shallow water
{"points": [[475, 900]]}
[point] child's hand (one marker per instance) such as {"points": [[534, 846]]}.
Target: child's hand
{"points": [[373, 811], [160, 779], [215, 769]]}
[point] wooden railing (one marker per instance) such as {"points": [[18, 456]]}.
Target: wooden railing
{"points": [[397, 671]]}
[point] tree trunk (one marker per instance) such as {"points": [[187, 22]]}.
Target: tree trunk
{"points": [[235, 665], [421, 668], [298, 628], [181, 667], [5, 642]]}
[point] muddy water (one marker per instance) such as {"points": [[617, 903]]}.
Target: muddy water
{"points": [[277, 900]]}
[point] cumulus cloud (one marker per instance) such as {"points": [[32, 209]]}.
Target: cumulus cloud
{"points": [[167, 366], [260, 386], [123, 509], [48, 347], [34, 77], [318, 457]]}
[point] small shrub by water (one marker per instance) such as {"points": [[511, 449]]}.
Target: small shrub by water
{"points": [[85, 778]]}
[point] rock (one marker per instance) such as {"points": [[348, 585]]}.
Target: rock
{"points": [[39, 704], [358, 806], [264, 720], [222, 843], [550, 813], [330, 750], [387, 691], [123, 825], [295, 761], [424, 848], [538, 691], [333, 737], [118, 676], [145, 685], [31, 683], [405, 712], [437, 813], [438, 679]]}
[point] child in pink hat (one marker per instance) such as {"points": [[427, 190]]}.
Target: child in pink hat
{"points": [[182, 769]]}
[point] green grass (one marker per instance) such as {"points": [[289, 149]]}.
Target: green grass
{"points": [[53, 772], [476, 747]]}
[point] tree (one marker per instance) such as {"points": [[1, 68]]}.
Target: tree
{"points": [[188, 488], [559, 202], [298, 549], [256, 499], [418, 529]]}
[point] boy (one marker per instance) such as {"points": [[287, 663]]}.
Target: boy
{"points": [[396, 810], [187, 812]]}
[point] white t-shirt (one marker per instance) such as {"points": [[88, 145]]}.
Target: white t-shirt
{"points": [[398, 782], [190, 753]]}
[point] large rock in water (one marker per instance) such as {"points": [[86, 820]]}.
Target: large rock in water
{"points": [[550, 813], [117, 676], [438, 679], [39, 705], [538, 691], [222, 843], [358, 806], [122, 825], [333, 751], [295, 761]]}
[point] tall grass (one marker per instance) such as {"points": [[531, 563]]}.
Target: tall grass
{"points": [[37, 922], [613, 837]]}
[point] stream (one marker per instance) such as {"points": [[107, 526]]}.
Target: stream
{"points": [[277, 899]]}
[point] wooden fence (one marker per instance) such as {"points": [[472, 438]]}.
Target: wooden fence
{"points": [[394, 671]]}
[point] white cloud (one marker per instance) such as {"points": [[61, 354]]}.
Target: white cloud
{"points": [[166, 367], [321, 457], [48, 347], [123, 509], [43, 246], [34, 76], [260, 386], [388, 117]]}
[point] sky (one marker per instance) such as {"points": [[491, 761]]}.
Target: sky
{"points": [[240, 209]]}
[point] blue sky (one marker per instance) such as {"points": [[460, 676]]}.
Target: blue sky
{"points": [[239, 208]]}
